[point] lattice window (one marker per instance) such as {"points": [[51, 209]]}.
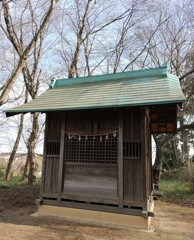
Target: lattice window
{"points": [[53, 148], [91, 149], [132, 149]]}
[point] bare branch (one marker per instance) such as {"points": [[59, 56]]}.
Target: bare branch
{"points": [[186, 74], [23, 56]]}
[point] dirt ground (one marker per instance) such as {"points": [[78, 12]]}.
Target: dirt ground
{"points": [[171, 221]]}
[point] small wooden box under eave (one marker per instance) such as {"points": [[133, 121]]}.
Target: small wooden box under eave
{"points": [[97, 151]]}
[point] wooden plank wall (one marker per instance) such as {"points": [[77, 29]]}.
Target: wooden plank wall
{"points": [[99, 182], [54, 125], [90, 180], [51, 167], [146, 157], [133, 172], [51, 175]]}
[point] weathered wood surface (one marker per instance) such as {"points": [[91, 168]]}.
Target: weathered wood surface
{"points": [[54, 126], [128, 211], [92, 169], [52, 153], [92, 173], [51, 175], [88, 195], [61, 159], [90, 181], [133, 180], [146, 154], [106, 177], [132, 124], [163, 118], [91, 121], [44, 160], [132, 165], [120, 158]]}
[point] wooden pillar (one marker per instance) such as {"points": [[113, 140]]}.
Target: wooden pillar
{"points": [[61, 159], [144, 157], [151, 175], [44, 158], [120, 158]]}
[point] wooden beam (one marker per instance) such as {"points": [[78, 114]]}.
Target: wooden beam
{"points": [[120, 158], [144, 157], [92, 199], [44, 158], [95, 127], [61, 159], [95, 207]]}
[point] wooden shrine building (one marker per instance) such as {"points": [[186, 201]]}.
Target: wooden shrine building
{"points": [[97, 149]]}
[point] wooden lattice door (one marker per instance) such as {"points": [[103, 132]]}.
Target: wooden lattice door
{"points": [[91, 165]]}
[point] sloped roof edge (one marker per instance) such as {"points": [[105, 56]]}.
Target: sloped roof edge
{"points": [[136, 88]]}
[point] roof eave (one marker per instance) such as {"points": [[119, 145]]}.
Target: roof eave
{"points": [[12, 112]]}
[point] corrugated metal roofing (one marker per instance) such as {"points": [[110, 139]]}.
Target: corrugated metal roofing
{"points": [[135, 88]]}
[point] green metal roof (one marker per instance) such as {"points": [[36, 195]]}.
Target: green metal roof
{"points": [[135, 88]]}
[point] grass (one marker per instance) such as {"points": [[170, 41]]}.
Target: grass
{"points": [[178, 186], [17, 181], [175, 189]]}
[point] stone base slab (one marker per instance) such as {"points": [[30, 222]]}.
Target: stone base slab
{"points": [[96, 217]]}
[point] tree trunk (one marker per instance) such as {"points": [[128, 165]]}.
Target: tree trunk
{"points": [[14, 150], [175, 150], [31, 149], [25, 173], [185, 148]]}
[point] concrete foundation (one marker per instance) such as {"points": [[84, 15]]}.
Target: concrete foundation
{"points": [[96, 217]]}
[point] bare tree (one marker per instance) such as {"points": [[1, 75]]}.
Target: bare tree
{"points": [[26, 33], [89, 26], [172, 43], [15, 148], [32, 75], [23, 53]]}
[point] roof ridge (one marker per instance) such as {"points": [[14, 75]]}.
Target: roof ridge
{"points": [[142, 73]]}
